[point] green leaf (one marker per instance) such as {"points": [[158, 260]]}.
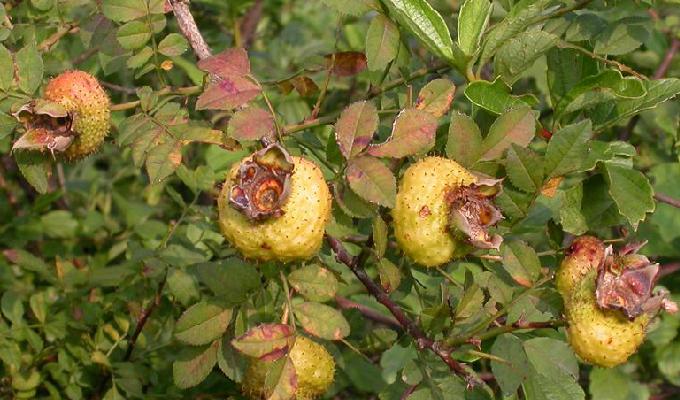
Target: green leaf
{"points": [[619, 38], [59, 224], [473, 19], [669, 363], [202, 323], [173, 45], [35, 168], [631, 191], [413, 132], [521, 262], [124, 10], [140, 58], [394, 360], [524, 168], [266, 341], [163, 160], [194, 365], [382, 43], [355, 128], [280, 380], [353, 7], [390, 275], [516, 126], [30, 69], [230, 362], [515, 370], [231, 279], [321, 320], [553, 371], [6, 68], [426, 24], [133, 35], [523, 14], [614, 384], [566, 68], [464, 143], [314, 283], [658, 91], [596, 89], [519, 53], [372, 180], [571, 217], [567, 149], [380, 236], [495, 96], [436, 97]]}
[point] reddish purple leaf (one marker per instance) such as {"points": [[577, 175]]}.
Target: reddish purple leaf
{"points": [[413, 132], [516, 126], [355, 127], [229, 63], [372, 180], [346, 63], [266, 342], [252, 123], [227, 93], [436, 97]]}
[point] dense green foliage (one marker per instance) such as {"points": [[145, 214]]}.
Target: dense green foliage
{"points": [[116, 282]]}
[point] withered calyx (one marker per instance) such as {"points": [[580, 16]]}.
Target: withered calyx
{"points": [[262, 184]]}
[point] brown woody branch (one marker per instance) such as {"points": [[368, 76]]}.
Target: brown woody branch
{"points": [[664, 198], [668, 59], [143, 318], [347, 304], [422, 342], [188, 27]]}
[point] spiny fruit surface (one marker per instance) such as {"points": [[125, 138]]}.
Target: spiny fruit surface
{"points": [[421, 214], [314, 369], [83, 97], [601, 337], [586, 253], [297, 234]]}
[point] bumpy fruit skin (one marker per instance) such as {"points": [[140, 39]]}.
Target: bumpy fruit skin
{"points": [[601, 337], [83, 97], [314, 368], [421, 215], [586, 253], [297, 234]]}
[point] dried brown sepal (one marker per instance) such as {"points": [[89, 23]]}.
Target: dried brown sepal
{"points": [[625, 282], [472, 212], [262, 184], [47, 126]]}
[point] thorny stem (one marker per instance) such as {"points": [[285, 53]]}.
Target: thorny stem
{"points": [[422, 342], [187, 25]]}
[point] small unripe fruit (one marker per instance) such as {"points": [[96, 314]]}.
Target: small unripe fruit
{"points": [[71, 120], [295, 232], [83, 97], [314, 370], [429, 192]]}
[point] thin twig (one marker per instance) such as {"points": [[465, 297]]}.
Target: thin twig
{"points": [[118, 88], [664, 198], [518, 326], [368, 312], [668, 59], [620, 66], [181, 91], [248, 25], [56, 36], [422, 342], [143, 318], [419, 73]]}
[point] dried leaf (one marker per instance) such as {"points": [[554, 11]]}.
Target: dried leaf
{"points": [[266, 342], [346, 63]]}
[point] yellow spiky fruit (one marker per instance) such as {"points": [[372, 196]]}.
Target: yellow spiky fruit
{"points": [[601, 337], [421, 214], [314, 370], [297, 234], [88, 105]]}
